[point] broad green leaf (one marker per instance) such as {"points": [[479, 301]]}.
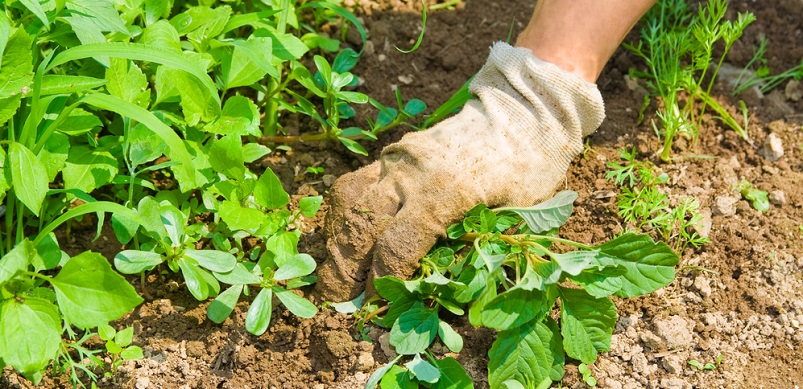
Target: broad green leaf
{"points": [[101, 13], [269, 192], [222, 306], [54, 154], [257, 319], [194, 279], [391, 288], [78, 122], [28, 176], [353, 146], [414, 331], [549, 214], [90, 293], [300, 306], [377, 375], [106, 332], [196, 103], [598, 285], [124, 336], [5, 183], [88, 33], [453, 375], [89, 168], [449, 337], [286, 47], [131, 353], [540, 275], [202, 23], [284, 247], [238, 217], [254, 151], [246, 62], [150, 212], [515, 307], [297, 265], [139, 52], [477, 307], [521, 354], [414, 107], [240, 116], [309, 205], [56, 84], [136, 261], [214, 260], [226, 156], [144, 145], [650, 266], [48, 253], [397, 378], [157, 9], [345, 60], [30, 334], [574, 262], [185, 172], [174, 221], [240, 275], [163, 35], [398, 307], [423, 370], [16, 260], [349, 306], [36, 8], [556, 347], [16, 72], [586, 324], [126, 81]]}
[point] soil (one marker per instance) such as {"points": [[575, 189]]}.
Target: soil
{"points": [[739, 297]]}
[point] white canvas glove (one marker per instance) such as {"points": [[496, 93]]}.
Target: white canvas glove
{"points": [[511, 146]]}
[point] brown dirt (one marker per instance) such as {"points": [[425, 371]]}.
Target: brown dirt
{"points": [[747, 305]]}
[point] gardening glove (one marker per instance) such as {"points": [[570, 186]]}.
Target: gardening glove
{"points": [[509, 147]]}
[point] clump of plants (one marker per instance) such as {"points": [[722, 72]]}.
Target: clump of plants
{"points": [[644, 203], [548, 297], [677, 46], [760, 77]]}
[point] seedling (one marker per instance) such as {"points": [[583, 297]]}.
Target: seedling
{"points": [[708, 366], [588, 375], [315, 170], [758, 198], [499, 267]]}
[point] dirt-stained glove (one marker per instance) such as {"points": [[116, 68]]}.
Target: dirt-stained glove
{"points": [[511, 146]]}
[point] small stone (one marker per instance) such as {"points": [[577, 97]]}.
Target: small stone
{"points": [[328, 179], [603, 194], [674, 331], [703, 227], [703, 286], [319, 386], [673, 383], [794, 91], [384, 344], [142, 383], [368, 48], [365, 362], [631, 83], [408, 79], [778, 197], [381, 57], [773, 148], [724, 206], [650, 340], [672, 364]]}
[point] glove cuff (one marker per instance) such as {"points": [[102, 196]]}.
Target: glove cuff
{"points": [[559, 100]]}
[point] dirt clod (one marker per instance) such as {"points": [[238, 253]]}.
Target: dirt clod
{"points": [[773, 147], [674, 331]]}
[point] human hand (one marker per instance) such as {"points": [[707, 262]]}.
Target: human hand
{"points": [[511, 146]]}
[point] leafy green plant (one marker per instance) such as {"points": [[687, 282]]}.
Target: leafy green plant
{"points": [[759, 199], [677, 47], [587, 375], [644, 203], [708, 366], [762, 77], [500, 268], [118, 344]]}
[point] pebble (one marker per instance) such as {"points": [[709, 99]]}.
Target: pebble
{"points": [[794, 91], [672, 364], [703, 285], [674, 331], [384, 344], [328, 179], [703, 227], [778, 197], [365, 362], [773, 147], [724, 206], [603, 194], [143, 383]]}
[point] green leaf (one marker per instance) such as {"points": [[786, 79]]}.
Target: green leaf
{"points": [[350, 306], [89, 168], [391, 288], [238, 217], [204, 22], [258, 317], [240, 275], [597, 283], [353, 146], [286, 47], [449, 337], [136, 261], [650, 266], [247, 62], [127, 82], [131, 353], [48, 253], [30, 334], [556, 347], [185, 172], [414, 107], [90, 293], [36, 8], [54, 154], [453, 375], [345, 60], [55, 84], [373, 380], [586, 324], [78, 122], [214, 260], [226, 156], [515, 307], [521, 354], [106, 332], [101, 13], [547, 215], [415, 330], [240, 116], [423, 370], [297, 265], [269, 192], [16, 73], [163, 35], [397, 378], [295, 303], [174, 221], [309, 205], [254, 151], [574, 262], [222, 306], [124, 336], [28, 176], [88, 32], [144, 145], [195, 279], [16, 260]]}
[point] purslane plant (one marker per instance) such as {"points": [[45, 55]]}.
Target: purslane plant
{"points": [[677, 46], [500, 267]]}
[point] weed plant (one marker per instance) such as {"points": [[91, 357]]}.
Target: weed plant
{"points": [[677, 46], [500, 267], [644, 203]]}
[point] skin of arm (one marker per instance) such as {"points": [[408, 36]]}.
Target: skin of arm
{"points": [[580, 36]]}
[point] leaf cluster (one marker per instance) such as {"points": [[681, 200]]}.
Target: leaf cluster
{"points": [[677, 46], [500, 268]]}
